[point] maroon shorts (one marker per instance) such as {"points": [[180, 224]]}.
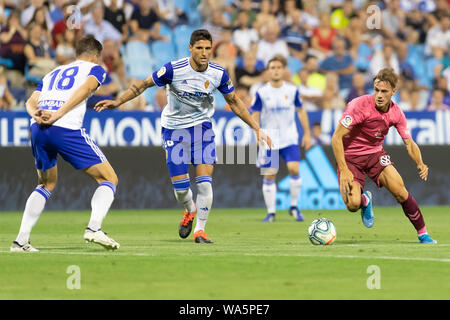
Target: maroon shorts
{"points": [[367, 164]]}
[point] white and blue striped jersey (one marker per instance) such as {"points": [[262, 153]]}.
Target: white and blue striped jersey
{"points": [[190, 94], [59, 85], [278, 109]]}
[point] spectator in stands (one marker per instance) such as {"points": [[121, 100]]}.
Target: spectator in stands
{"points": [[7, 100], [358, 87], [385, 58], [341, 63], [222, 56], [61, 26], [215, 24], [331, 98], [314, 78], [340, 18], [406, 69], [145, 23], [318, 137], [244, 35], [13, 38], [392, 19], [323, 36], [311, 96], [246, 7], [37, 53], [170, 14], [438, 37], [39, 18], [310, 19], [270, 45], [263, 17], [207, 6], [293, 32], [56, 10], [99, 27], [28, 13], [65, 51], [437, 101], [247, 75], [116, 16]]}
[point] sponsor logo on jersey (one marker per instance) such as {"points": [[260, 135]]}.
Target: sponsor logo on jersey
{"points": [[347, 121], [385, 160], [50, 104]]}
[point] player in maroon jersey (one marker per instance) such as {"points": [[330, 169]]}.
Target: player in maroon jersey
{"points": [[358, 148]]}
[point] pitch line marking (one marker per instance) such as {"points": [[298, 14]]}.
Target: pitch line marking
{"points": [[143, 254]]}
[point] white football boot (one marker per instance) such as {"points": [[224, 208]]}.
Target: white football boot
{"points": [[16, 247], [101, 238]]}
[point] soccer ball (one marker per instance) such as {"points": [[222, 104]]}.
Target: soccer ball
{"points": [[322, 232]]}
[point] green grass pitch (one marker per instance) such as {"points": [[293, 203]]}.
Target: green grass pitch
{"points": [[249, 260]]}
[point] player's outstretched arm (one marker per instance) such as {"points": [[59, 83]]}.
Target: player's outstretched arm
{"points": [[416, 155], [346, 176], [85, 91], [132, 92], [238, 107], [303, 116]]}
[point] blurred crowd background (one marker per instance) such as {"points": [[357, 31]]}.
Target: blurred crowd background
{"points": [[333, 47]]}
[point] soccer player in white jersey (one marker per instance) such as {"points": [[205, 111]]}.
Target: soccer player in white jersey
{"points": [[57, 108], [186, 125], [275, 108]]}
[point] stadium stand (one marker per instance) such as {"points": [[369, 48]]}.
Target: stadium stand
{"points": [[422, 25]]}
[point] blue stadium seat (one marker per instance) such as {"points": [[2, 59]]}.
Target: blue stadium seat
{"points": [[29, 77], [365, 53], [166, 31], [139, 62], [6, 62], [182, 36], [149, 95], [163, 52], [294, 65]]}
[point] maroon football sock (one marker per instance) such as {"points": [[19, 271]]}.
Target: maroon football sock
{"points": [[412, 211]]}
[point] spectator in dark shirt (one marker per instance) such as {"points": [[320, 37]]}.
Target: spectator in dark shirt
{"points": [[116, 16], [13, 38], [247, 75], [36, 52], [145, 23]]}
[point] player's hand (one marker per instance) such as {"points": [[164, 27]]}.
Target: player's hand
{"points": [[306, 141], [423, 171], [345, 182], [41, 115], [49, 118], [262, 137], [106, 104]]}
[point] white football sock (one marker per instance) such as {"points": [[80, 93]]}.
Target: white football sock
{"points": [[33, 209], [101, 202], [204, 201], [183, 194], [295, 183], [269, 189]]}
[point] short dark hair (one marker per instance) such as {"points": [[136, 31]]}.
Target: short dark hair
{"points": [[387, 75], [88, 45], [200, 34], [278, 58]]}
